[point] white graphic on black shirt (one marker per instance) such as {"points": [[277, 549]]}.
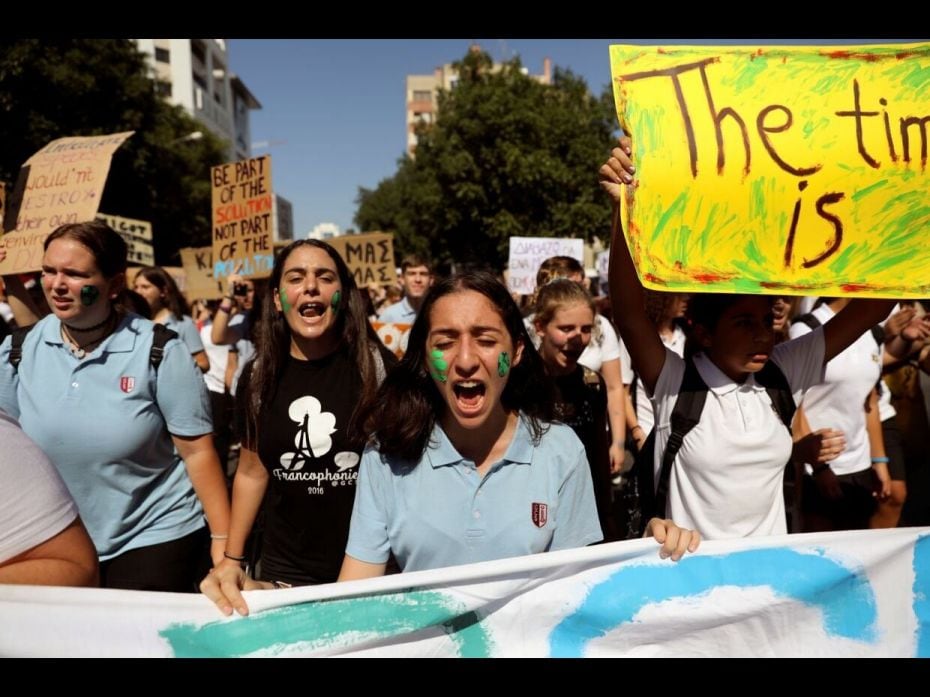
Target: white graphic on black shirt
{"points": [[313, 434]]}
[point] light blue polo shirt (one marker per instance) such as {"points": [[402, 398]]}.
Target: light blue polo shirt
{"points": [[187, 330], [97, 419], [400, 311], [443, 513]]}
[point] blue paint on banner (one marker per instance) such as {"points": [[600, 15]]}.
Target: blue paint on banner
{"points": [[844, 595], [922, 594]]}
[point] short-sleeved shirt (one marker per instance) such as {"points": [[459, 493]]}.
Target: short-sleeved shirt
{"points": [[645, 416], [303, 442], [187, 331], [34, 503], [839, 402], [727, 478], [106, 424], [401, 311], [442, 512]]}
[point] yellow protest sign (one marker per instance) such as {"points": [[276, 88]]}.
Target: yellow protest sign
{"points": [[798, 169], [61, 183]]}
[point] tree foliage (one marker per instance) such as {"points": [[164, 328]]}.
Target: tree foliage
{"points": [[505, 156], [82, 87]]}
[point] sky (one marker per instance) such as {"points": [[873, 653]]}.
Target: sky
{"points": [[333, 110]]}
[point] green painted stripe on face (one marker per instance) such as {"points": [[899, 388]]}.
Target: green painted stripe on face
{"points": [[89, 295], [503, 364], [285, 305], [336, 300], [439, 365]]}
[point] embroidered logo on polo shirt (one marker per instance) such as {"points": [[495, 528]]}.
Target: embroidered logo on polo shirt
{"points": [[127, 383], [540, 514]]}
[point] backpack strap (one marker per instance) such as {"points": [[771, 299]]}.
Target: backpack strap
{"points": [[878, 333], [17, 338], [809, 319], [779, 391], [685, 416], [161, 336]]}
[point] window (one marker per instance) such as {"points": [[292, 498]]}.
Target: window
{"points": [[162, 55], [163, 89], [422, 96], [201, 82]]}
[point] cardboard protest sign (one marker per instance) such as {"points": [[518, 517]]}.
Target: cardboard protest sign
{"points": [[527, 253], [198, 269], [798, 169], [61, 183], [370, 257], [138, 237], [242, 218]]}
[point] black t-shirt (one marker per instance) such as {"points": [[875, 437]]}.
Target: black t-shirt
{"points": [[583, 406], [302, 442]]}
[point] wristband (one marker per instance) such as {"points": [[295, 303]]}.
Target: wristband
{"points": [[241, 560], [218, 537], [879, 459]]}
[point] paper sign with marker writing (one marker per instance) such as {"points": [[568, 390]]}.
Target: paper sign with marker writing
{"points": [[798, 169], [369, 256], [61, 183], [242, 218]]}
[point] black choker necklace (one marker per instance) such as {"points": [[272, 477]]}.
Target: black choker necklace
{"points": [[84, 330]]}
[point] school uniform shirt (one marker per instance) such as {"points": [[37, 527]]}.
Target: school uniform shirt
{"points": [[645, 412], [440, 512], [839, 402], [105, 421], [604, 346], [726, 480], [187, 331], [401, 311], [34, 503], [312, 468]]}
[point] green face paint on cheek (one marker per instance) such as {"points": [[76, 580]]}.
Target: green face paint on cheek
{"points": [[89, 295], [285, 305], [439, 365], [336, 299], [503, 364]]}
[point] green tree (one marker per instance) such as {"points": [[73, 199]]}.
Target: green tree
{"points": [[82, 87], [505, 156]]}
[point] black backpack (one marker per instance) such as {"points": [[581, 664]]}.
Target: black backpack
{"points": [[652, 497], [162, 335]]}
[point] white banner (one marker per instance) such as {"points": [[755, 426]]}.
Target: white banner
{"points": [[839, 594]]}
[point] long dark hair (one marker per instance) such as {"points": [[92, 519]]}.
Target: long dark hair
{"points": [[404, 413], [162, 280], [272, 337]]}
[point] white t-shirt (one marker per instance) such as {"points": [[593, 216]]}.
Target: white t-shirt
{"points": [[219, 357], [840, 401], [34, 502], [604, 346], [645, 416], [726, 480]]}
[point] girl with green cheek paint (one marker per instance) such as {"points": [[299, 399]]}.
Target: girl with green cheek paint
{"points": [[440, 367], [335, 300]]}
